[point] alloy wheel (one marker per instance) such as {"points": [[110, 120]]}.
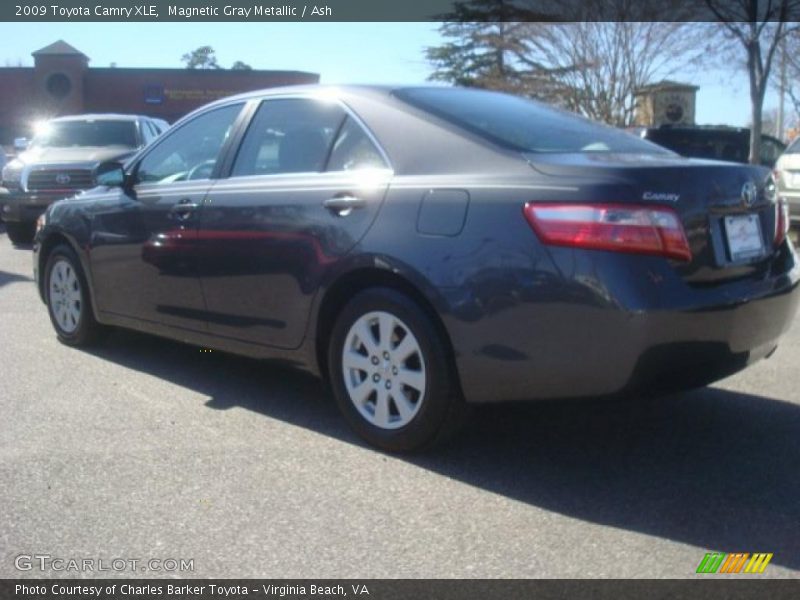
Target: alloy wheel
{"points": [[384, 370], [66, 301]]}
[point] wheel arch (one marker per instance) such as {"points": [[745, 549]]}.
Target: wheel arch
{"points": [[51, 240], [357, 280]]}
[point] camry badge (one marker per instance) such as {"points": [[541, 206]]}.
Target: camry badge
{"points": [[661, 197], [749, 193], [62, 179]]}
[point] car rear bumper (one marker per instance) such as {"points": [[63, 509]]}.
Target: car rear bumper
{"points": [[24, 207], [644, 332]]}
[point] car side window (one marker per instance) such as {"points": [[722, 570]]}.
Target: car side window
{"points": [[291, 135], [191, 151], [353, 150], [146, 132], [151, 127]]}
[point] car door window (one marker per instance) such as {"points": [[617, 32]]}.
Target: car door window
{"points": [[191, 151], [146, 132], [152, 130], [289, 136], [354, 150]]}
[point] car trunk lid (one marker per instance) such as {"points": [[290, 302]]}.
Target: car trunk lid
{"points": [[727, 210]]}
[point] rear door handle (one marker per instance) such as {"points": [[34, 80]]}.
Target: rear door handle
{"points": [[183, 209], [342, 205]]}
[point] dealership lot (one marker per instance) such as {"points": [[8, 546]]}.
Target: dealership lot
{"points": [[148, 449]]}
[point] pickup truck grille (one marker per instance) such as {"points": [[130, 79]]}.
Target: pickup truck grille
{"points": [[53, 180]]}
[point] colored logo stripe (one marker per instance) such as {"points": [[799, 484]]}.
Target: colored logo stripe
{"points": [[733, 563], [710, 562], [758, 563]]}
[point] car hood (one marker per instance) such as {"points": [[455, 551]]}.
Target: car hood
{"points": [[74, 154]]}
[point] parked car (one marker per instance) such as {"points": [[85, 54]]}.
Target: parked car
{"points": [[427, 248], [60, 161], [787, 179], [720, 143]]}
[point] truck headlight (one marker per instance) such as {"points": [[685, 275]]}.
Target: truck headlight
{"points": [[12, 173]]}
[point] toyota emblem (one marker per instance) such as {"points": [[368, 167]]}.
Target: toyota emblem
{"points": [[749, 193], [62, 179]]}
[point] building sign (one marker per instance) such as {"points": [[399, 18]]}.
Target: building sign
{"points": [[154, 94]]}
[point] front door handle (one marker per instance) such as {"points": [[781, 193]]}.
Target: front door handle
{"points": [[183, 209], [344, 204]]}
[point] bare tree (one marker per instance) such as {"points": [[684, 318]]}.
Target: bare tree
{"points": [[580, 62], [791, 56], [757, 27], [769, 122], [612, 60]]}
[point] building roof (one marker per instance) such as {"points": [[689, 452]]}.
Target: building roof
{"points": [[666, 84], [60, 48]]}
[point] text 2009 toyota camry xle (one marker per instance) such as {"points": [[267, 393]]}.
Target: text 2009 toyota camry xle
{"points": [[424, 248]]}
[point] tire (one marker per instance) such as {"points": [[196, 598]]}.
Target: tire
{"points": [[412, 399], [68, 301], [20, 233]]}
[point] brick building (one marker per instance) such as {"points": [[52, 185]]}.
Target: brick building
{"points": [[61, 82]]}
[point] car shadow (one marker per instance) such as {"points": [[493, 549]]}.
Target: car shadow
{"points": [[711, 468], [6, 278]]}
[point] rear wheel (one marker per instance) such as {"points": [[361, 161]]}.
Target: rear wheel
{"points": [[68, 301], [20, 233], [390, 373]]}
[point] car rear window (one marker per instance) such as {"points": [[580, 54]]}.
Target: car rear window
{"points": [[521, 124], [67, 134]]}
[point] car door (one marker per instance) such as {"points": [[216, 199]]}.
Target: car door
{"points": [[142, 256], [306, 184]]}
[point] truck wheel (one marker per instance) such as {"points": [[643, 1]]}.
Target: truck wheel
{"points": [[20, 233]]}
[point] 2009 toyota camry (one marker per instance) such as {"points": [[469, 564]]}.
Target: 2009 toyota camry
{"points": [[426, 248]]}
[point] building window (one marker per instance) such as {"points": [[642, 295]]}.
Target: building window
{"points": [[58, 85]]}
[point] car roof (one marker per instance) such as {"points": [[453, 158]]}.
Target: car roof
{"points": [[376, 91]]}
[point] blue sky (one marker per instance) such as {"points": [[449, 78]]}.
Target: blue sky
{"points": [[340, 52]]}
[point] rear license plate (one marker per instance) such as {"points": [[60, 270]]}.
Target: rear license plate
{"points": [[794, 180], [744, 237]]}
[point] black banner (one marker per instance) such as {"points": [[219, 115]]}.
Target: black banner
{"points": [[396, 589], [387, 10]]}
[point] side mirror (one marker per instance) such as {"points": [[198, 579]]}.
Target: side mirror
{"points": [[110, 174], [21, 144]]}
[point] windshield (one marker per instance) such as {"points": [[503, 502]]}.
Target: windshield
{"points": [[67, 134], [524, 125], [794, 147]]}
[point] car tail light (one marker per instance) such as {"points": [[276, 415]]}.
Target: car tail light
{"points": [[621, 228], [781, 221]]}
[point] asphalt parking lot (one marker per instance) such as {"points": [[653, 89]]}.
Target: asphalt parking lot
{"points": [[144, 448]]}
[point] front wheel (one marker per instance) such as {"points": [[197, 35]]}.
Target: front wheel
{"points": [[68, 301], [390, 372]]}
